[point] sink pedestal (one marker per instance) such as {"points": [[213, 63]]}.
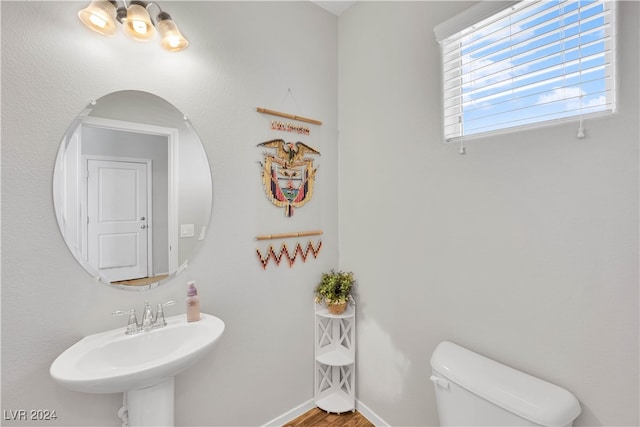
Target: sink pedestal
{"points": [[151, 406]]}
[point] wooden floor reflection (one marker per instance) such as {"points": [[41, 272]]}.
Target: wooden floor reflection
{"points": [[141, 282]]}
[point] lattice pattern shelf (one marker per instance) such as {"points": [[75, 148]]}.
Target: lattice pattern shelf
{"points": [[334, 378], [335, 385]]}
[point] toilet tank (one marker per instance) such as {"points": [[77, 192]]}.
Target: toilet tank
{"points": [[472, 390]]}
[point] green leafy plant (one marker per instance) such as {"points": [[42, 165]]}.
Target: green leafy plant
{"points": [[335, 287]]}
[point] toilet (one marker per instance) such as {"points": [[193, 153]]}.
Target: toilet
{"points": [[472, 390]]}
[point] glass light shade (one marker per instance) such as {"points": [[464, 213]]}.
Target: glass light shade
{"points": [[138, 23], [171, 37], [99, 16]]}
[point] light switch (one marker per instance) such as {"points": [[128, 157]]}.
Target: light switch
{"points": [[187, 230]]}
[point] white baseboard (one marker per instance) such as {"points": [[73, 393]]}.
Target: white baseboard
{"points": [[370, 415], [292, 414], [310, 404]]}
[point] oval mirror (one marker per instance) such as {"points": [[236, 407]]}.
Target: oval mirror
{"points": [[132, 190]]}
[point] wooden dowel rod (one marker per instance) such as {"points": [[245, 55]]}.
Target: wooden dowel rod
{"points": [[287, 235], [288, 116]]}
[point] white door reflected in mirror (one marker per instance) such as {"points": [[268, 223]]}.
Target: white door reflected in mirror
{"points": [[117, 233]]}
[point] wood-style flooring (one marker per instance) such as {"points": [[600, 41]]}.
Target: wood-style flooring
{"points": [[319, 418]]}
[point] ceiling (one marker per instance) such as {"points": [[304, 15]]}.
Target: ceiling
{"points": [[334, 6]]}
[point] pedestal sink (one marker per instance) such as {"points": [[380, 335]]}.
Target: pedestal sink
{"points": [[142, 366]]}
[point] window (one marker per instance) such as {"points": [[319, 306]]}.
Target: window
{"points": [[531, 62]]}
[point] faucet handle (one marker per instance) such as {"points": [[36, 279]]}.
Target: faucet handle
{"points": [[132, 323], [160, 322]]}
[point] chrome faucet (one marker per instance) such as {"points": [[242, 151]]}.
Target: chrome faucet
{"points": [[150, 320]]}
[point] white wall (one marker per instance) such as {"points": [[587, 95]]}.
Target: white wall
{"points": [[524, 249], [243, 55]]}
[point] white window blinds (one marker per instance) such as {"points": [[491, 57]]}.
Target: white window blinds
{"points": [[533, 62]]}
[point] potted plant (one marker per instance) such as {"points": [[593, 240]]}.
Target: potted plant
{"points": [[335, 290]]}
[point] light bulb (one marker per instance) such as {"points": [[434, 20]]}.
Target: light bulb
{"points": [[139, 27], [98, 21], [173, 42]]}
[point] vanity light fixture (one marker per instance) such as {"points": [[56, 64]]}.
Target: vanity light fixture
{"points": [[101, 16]]}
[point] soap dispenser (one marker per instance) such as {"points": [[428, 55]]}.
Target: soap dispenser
{"points": [[193, 303]]}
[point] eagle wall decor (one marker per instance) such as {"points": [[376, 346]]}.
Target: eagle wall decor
{"points": [[287, 175]]}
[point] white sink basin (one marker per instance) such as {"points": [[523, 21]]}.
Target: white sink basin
{"points": [[112, 362]]}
